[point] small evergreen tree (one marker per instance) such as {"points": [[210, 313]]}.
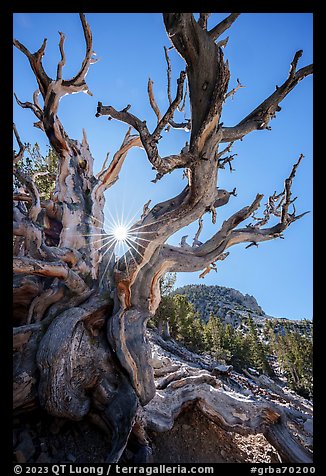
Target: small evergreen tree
{"points": [[185, 325], [295, 354], [257, 350], [214, 339], [41, 169], [166, 307]]}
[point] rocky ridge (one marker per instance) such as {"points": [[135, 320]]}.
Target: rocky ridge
{"points": [[234, 308]]}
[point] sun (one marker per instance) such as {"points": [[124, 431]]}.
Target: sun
{"points": [[119, 239], [120, 233]]}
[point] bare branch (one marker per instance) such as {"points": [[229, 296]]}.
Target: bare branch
{"points": [[226, 160], [213, 266], [252, 244], [79, 78], [146, 210], [169, 70], [109, 176], [223, 43], [184, 244], [234, 90], [187, 174], [221, 198], [24, 265], [124, 116], [254, 233], [152, 100], [35, 208], [285, 217], [183, 105], [22, 147], [196, 241], [187, 258], [63, 56], [259, 118], [278, 204], [202, 21], [219, 29], [186, 126], [294, 63], [213, 212], [169, 113], [35, 61], [158, 177], [162, 165], [35, 100], [53, 90], [224, 151], [53, 209], [208, 270], [229, 225], [28, 105], [104, 165]]}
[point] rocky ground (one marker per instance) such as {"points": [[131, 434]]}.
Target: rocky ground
{"points": [[195, 439], [202, 413]]}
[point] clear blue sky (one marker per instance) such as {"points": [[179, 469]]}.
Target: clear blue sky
{"points": [[130, 48]]}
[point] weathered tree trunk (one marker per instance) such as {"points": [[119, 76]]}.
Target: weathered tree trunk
{"points": [[166, 330], [80, 317]]}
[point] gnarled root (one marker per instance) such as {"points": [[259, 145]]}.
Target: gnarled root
{"points": [[70, 370]]}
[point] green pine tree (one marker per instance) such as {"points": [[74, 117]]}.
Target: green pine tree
{"points": [[257, 350], [295, 354], [42, 169]]}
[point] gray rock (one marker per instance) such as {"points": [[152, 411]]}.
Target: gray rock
{"points": [[247, 392], [223, 454], [158, 361], [241, 415], [186, 427], [222, 369]]}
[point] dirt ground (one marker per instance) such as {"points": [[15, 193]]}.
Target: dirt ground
{"points": [[54, 440], [195, 439]]}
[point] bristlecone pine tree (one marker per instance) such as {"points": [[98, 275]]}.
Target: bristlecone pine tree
{"points": [[79, 319]]}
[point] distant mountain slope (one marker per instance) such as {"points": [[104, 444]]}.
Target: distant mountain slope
{"points": [[233, 307]]}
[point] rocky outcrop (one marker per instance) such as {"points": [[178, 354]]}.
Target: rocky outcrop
{"points": [[218, 300], [234, 308]]}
